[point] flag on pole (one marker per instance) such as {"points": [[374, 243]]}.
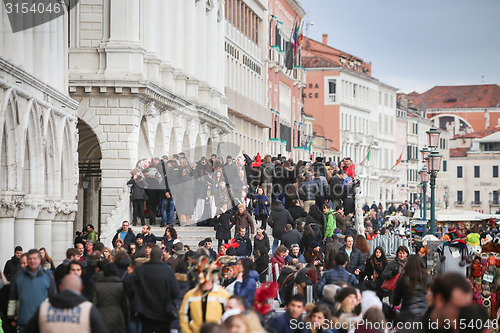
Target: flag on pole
{"points": [[306, 146], [367, 158], [399, 159]]}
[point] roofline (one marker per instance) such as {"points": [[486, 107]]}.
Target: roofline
{"points": [[295, 4], [349, 71]]}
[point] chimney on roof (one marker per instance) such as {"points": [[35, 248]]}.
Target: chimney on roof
{"points": [[325, 39]]}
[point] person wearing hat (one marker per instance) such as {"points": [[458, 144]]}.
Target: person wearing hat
{"points": [[347, 299], [140, 248], [318, 166], [314, 256], [177, 256], [206, 302]]}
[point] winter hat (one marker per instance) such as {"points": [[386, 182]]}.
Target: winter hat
{"points": [[278, 203], [314, 244], [178, 247], [369, 300], [473, 239], [344, 292], [140, 236]]}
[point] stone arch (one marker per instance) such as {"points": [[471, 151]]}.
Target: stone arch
{"points": [[159, 144], [67, 165], [186, 146], [454, 116], [8, 154], [172, 146], [209, 147], [50, 151], [89, 189], [33, 158], [143, 142], [199, 148]]}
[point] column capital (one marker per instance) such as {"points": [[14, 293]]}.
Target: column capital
{"points": [[11, 204]]}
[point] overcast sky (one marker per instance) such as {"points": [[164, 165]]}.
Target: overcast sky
{"points": [[414, 45]]}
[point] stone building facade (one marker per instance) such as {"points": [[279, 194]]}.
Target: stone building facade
{"points": [[151, 87], [38, 140]]}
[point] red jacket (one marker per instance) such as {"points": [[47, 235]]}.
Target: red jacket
{"points": [[349, 171]]}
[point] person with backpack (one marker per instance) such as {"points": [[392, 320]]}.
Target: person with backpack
{"points": [[330, 223]]}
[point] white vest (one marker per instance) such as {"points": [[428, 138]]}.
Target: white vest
{"points": [[71, 320]]}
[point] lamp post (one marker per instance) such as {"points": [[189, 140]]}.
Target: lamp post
{"points": [[424, 178], [433, 166]]}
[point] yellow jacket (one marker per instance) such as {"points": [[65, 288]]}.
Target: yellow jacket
{"points": [[191, 313]]}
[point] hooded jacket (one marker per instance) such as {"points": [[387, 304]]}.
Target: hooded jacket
{"points": [[246, 289], [65, 304]]}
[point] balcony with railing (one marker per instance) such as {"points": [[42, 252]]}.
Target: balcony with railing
{"points": [[332, 98], [459, 203], [476, 202], [276, 58]]}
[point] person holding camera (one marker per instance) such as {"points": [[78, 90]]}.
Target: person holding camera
{"points": [[138, 196]]}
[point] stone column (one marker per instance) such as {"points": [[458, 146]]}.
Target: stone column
{"points": [[24, 225], [62, 231], [43, 227], [9, 207], [179, 129]]}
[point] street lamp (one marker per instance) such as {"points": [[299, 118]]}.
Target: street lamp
{"points": [[424, 178], [433, 166], [433, 137], [425, 152]]}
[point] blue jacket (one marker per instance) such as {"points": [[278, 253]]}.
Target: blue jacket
{"points": [[282, 324], [338, 273], [246, 289], [290, 257], [30, 289], [245, 248]]}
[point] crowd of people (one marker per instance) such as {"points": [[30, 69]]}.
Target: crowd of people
{"points": [[150, 283]]}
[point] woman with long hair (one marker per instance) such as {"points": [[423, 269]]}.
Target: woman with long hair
{"points": [[246, 280], [361, 244], [374, 267], [47, 262], [411, 288], [261, 205], [168, 238], [307, 238]]}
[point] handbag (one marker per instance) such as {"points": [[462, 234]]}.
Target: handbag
{"points": [[391, 283]]}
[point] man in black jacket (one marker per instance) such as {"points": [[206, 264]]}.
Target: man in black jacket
{"points": [[12, 266], [125, 233], [67, 311], [290, 237], [155, 287], [355, 264], [296, 211], [245, 248], [337, 189], [278, 219]]}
